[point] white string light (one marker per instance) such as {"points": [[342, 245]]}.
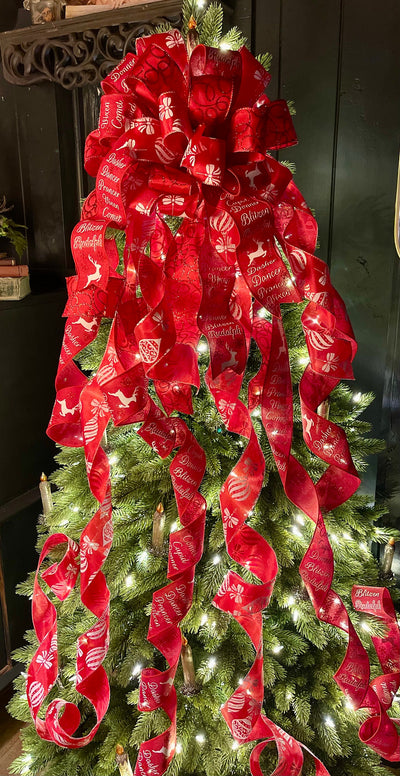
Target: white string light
{"points": [[257, 412], [224, 46], [129, 580], [74, 509], [174, 526], [200, 3], [216, 559], [299, 518], [365, 626], [329, 721], [303, 361], [235, 745], [277, 649], [200, 738], [178, 747], [204, 619], [295, 615], [143, 556], [291, 600], [296, 531], [136, 669], [357, 397], [112, 459], [212, 662], [202, 347], [262, 313]]}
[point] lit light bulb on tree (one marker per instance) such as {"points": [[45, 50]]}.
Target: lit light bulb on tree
{"points": [[202, 347]]}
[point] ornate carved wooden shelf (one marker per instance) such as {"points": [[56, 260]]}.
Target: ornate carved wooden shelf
{"points": [[82, 50]]}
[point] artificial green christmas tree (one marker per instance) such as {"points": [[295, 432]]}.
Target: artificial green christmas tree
{"points": [[301, 654]]}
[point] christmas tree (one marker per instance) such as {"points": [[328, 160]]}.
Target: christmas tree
{"points": [[301, 654]]}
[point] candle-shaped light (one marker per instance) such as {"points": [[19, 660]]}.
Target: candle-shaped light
{"points": [[192, 36], [104, 440], [158, 530], [323, 409], [45, 493], [388, 556], [122, 760], [190, 686]]}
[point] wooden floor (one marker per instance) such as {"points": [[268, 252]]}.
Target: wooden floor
{"points": [[10, 746]]}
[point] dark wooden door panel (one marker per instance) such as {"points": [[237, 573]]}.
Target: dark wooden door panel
{"points": [[363, 254], [266, 34], [310, 58], [19, 557], [29, 348]]}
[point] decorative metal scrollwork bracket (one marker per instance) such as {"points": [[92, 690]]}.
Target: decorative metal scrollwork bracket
{"points": [[83, 50]]}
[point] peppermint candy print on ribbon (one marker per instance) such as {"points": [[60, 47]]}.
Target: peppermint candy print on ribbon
{"points": [[191, 138]]}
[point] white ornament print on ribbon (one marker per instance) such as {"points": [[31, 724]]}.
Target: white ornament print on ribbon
{"points": [[149, 350]]}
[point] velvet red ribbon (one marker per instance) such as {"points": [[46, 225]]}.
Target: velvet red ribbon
{"points": [[192, 138]]}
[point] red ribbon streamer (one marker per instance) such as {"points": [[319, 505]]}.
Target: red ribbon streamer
{"points": [[190, 138]]}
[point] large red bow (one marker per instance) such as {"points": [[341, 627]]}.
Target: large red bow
{"points": [[191, 138]]}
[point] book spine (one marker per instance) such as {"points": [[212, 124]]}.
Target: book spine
{"points": [[16, 271], [14, 288]]}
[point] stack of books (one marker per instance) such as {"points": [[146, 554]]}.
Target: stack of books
{"points": [[74, 9], [14, 279]]}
